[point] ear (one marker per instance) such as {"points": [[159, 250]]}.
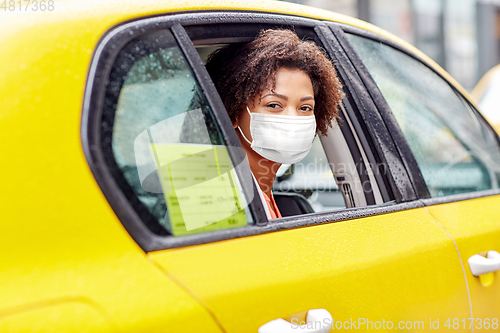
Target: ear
{"points": [[235, 123]]}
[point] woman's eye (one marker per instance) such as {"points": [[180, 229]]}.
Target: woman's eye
{"points": [[273, 105], [306, 108]]}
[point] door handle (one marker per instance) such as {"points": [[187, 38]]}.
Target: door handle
{"points": [[319, 321], [480, 265]]}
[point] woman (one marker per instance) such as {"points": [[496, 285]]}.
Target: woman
{"points": [[279, 91]]}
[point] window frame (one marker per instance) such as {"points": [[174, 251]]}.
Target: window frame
{"points": [[201, 32], [394, 129], [367, 120], [103, 59]]}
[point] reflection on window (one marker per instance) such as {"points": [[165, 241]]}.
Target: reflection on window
{"points": [[167, 145], [454, 150]]}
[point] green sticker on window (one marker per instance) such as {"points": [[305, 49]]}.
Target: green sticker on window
{"points": [[200, 188]]}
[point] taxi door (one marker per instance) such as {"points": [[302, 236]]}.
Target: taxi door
{"points": [[396, 270], [474, 223], [458, 158]]}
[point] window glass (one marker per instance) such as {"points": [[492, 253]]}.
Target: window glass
{"points": [[166, 143], [313, 178], [455, 151]]}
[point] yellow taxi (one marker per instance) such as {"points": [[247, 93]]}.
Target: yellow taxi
{"points": [[128, 206]]}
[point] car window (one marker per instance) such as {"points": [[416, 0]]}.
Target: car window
{"points": [[313, 178], [166, 143], [455, 151], [164, 148]]}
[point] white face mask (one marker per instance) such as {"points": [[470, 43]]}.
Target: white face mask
{"points": [[282, 139]]}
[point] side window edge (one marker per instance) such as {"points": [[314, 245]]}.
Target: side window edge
{"points": [[402, 145], [401, 187]]}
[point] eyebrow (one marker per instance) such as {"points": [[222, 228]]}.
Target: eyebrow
{"points": [[277, 95], [306, 98]]}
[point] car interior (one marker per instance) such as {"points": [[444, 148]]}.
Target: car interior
{"points": [[328, 178]]}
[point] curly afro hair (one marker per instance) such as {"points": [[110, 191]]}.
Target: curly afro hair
{"points": [[241, 72]]}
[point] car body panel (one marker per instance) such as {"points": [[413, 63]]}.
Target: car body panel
{"points": [[93, 279], [57, 316], [395, 266], [474, 224]]}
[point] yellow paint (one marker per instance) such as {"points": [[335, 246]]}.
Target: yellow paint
{"points": [[474, 224], [487, 279], [398, 266], [66, 316]]}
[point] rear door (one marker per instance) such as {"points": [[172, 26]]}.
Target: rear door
{"points": [[458, 157], [171, 167]]}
